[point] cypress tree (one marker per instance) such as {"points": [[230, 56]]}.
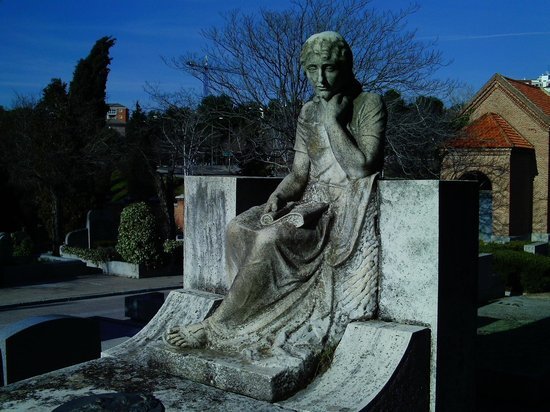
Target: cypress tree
{"points": [[87, 89]]}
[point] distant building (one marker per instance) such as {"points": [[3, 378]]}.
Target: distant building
{"points": [[505, 147], [542, 81], [117, 117]]}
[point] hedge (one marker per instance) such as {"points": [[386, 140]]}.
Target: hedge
{"points": [[520, 270]]}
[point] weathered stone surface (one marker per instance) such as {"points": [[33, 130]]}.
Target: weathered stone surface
{"points": [[429, 244], [211, 202], [108, 375], [113, 402], [44, 343], [181, 307], [377, 366], [228, 372]]}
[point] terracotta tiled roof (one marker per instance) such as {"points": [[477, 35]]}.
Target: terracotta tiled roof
{"points": [[490, 131], [535, 94]]}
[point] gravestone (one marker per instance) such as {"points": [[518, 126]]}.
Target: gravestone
{"points": [[143, 307], [6, 248], [490, 285], [537, 248], [45, 343], [102, 226]]}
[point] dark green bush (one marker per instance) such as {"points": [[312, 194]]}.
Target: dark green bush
{"points": [[172, 247], [517, 245], [522, 271], [138, 239], [22, 244]]}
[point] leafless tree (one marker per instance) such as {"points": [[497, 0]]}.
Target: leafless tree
{"points": [[255, 58]]}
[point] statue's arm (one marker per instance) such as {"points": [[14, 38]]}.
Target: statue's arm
{"points": [[361, 154], [292, 186], [372, 119]]}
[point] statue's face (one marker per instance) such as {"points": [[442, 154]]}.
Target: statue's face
{"points": [[325, 74]]}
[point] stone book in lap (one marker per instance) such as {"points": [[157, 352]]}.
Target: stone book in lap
{"points": [[297, 214]]}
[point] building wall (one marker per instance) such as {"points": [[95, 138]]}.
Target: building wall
{"points": [[495, 164], [501, 103]]}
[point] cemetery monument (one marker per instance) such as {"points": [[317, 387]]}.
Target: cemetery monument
{"points": [[306, 264]]}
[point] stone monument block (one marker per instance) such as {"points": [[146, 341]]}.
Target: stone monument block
{"points": [[102, 226], [429, 243], [45, 343], [211, 202], [143, 307], [377, 366], [537, 248], [489, 284]]}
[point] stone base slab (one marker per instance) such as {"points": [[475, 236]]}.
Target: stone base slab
{"points": [[378, 366], [109, 375], [227, 372]]}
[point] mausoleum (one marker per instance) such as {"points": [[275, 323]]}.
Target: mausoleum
{"points": [[505, 148]]}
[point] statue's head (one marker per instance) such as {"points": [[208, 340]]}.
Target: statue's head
{"points": [[328, 62]]}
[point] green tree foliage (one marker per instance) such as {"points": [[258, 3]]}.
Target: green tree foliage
{"points": [[88, 87], [57, 152]]}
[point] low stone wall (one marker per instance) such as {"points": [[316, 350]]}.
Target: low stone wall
{"points": [[129, 270]]}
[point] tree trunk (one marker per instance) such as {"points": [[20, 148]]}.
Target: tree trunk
{"points": [[56, 223], [165, 193]]}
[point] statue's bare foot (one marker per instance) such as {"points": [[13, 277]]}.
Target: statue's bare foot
{"points": [[192, 336]]}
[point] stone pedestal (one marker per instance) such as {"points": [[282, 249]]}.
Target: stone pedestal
{"points": [[210, 203], [429, 277], [417, 356]]}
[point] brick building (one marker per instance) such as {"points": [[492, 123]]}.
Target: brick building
{"points": [[117, 117], [506, 148]]}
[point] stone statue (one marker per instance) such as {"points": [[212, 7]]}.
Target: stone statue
{"points": [[306, 263]]}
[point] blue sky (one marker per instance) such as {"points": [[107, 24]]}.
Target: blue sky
{"points": [[43, 39]]}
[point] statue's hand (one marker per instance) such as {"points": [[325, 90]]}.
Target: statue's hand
{"points": [[273, 204], [336, 109]]}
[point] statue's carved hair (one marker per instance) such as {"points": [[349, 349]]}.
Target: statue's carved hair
{"points": [[328, 44]]}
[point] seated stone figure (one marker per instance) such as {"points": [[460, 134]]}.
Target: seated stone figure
{"points": [[295, 287]]}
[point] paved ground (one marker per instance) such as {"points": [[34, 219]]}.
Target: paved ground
{"points": [[83, 287], [513, 354]]}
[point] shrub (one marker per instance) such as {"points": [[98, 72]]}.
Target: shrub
{"points": [[98, 255], [138, 241], [173, 251], [522, 271], [22, 244], [171, 247]]}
